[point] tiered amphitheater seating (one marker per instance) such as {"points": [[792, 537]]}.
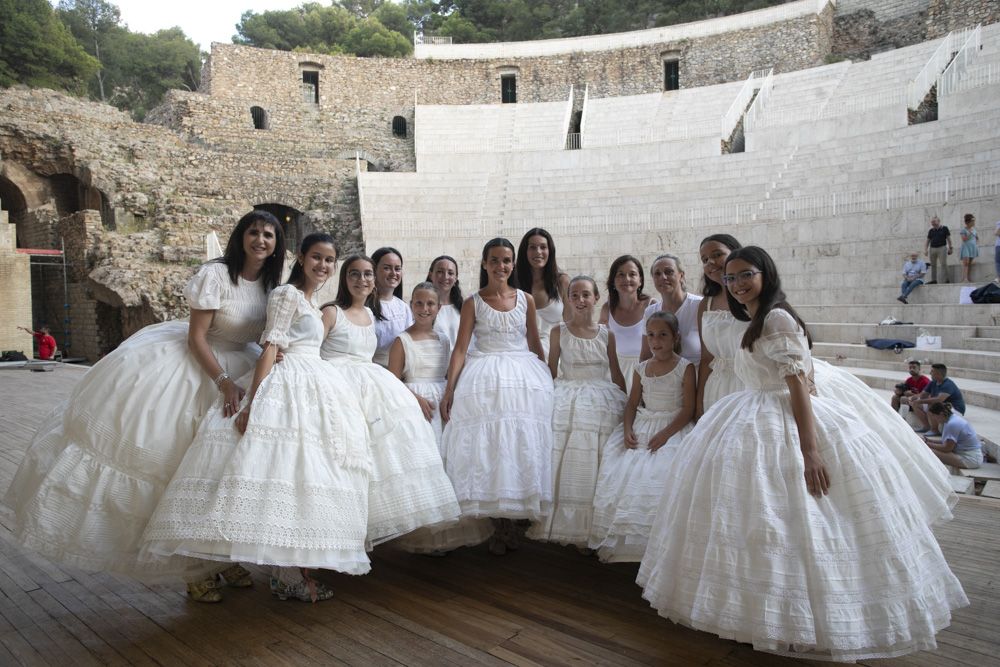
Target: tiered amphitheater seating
{"points": [[490, 128], [834, 183]]}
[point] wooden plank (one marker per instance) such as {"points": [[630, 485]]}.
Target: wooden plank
{"points": [[992, 489], [986, 471], [960, 484]]}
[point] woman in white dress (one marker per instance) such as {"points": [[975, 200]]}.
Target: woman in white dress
{"points": [[623, 313], [538, 274], [497, 405], [285, 483], [90, 479], [589, 402], [409, 488], [636, 456], [393, 315], [784, 524], [419, 358], [444, 274], [669, 281]]}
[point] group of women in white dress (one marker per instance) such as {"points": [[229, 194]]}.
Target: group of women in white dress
{"points": [[768, 497]]}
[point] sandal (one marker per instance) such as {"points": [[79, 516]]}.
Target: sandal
{"points": [[306, 590], [205, 591], [237, 576]]}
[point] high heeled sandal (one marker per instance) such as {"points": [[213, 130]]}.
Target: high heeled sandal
{"points": [[237, 576], [205, 591], [307, 590]]}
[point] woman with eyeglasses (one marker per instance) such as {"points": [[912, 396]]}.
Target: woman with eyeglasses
{"points": [[409, 488], [783, 523], [668, 279]]}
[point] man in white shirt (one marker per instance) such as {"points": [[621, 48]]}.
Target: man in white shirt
{"points": [[914, 271]]}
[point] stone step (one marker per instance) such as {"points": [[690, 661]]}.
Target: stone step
{"points": [[982, 344], [981, 394], [963, 485], [991, 490], [969, 359], [873, 312], [985, 472], [952, 336]]}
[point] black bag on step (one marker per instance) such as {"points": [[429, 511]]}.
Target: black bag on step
{"points": [[988, 293]]}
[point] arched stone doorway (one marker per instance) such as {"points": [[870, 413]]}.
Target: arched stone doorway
{"points": [[292, 221]]}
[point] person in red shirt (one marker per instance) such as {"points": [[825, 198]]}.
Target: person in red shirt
{"points": [[913, 385], [46, 343]]}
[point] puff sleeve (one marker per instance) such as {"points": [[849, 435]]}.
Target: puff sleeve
{"points": [[204, 290], [784, 343], [282, 307]]}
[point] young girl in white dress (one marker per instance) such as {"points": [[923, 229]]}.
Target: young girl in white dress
{"points": [[444, 274], [497, 405], [623, 313], [719, 331], [538, 274], [392, 315], [669, 281], [589, 403], [91, 478], [784, 524], [657, 417], [285, 483], [409, 487], [419, 357]]}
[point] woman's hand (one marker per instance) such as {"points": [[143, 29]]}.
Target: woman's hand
{"points": [[631, 442], [232, 394], [657, 441], [242, 419], [427, 407], [446, 407], [817, 479]]}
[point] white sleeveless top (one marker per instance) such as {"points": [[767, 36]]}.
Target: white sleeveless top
{"points": [[548, 317], [397, 318], [583, 358], [628, 340], [426, 360], [687, 319], [347, 339], [447, 321], [497, 331], [663, 393]]}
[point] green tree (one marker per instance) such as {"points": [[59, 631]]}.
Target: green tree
{"points": [[36, 49], [147, 66], [370, 38], [93, 23]]}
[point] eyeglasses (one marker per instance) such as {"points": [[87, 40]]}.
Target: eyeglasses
{"points": [[354, 274], [742, 276]]}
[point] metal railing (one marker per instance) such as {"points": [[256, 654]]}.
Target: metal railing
{"points": [[967, 55], [573, 141], [977, 76], [755, 113], [732, 116], [928, 75], [425, 38]]}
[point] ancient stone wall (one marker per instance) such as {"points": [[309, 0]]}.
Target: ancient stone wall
{"points": [[15, 292], [943, 16]]}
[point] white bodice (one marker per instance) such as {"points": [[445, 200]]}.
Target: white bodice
{"points": [[782, 350], [628, 339], [397, 318], [722, 335], [663, 393], [687, 320], [240, 309], [426, 360], [446, 323], [293, 324], [583, 358], [501, 331], [347, 339], [548, 317]]}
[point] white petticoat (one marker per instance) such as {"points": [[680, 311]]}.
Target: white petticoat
{"points": [[92, 476], [740, 549]]}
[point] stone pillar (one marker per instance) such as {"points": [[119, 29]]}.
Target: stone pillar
{"points": [[15, 292]]}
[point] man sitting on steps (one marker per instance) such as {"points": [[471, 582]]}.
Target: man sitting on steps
{"points": [[941, 390], [910, 387], [914, 270]]}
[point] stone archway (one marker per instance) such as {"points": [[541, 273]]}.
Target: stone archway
{"points": [[292, 221]]}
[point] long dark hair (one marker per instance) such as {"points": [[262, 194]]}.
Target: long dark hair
{"points": [[455, 293], [377, 257], [297, 274], [344, 298], [710, 287], [771, 295], [613, 298], [550, 274], [497, 243], [235, 256]]}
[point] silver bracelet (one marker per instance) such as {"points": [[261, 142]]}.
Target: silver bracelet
{"points": [[220, 378]]}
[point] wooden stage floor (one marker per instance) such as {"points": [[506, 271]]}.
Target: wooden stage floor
{"points": [[543, 605]]}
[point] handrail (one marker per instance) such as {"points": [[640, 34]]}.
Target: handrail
{"points": [[569, 115], [960, 64], [928, 75], [755, 113], [735, 111], [583, 114]]}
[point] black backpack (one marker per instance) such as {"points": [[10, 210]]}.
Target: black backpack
{"points": [[988, 293], [12, 355]]}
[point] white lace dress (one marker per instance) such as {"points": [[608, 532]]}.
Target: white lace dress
{"points": [[548, 317], [398, 318], [409, 488], [587, 408], [92, 475], [424, 373], [722, 335], [293, 489], [631, 481], [498, 444], [741, 549]]}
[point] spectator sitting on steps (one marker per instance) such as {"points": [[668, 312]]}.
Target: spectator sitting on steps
{"points": [[912, 386], [46, 343], [914, 270], [941, 390], [960, 446], [938, 238]]}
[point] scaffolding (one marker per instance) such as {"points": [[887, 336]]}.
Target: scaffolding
{"points": [[55, 259]]}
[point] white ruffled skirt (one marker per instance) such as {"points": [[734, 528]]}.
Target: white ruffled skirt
{"points": [[498, 444], [93, 474], [741, 549], [292, 491]]}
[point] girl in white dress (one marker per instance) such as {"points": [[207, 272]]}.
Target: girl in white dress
{"points": [[409, 487], [588, 404], [393, 315], [419, 357], [720, 332], [633, 469], [623, 313], [784, 524], [497, 405], [285, 483], [444, 274], [90, 479], [538, 274], [668, 278]]}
